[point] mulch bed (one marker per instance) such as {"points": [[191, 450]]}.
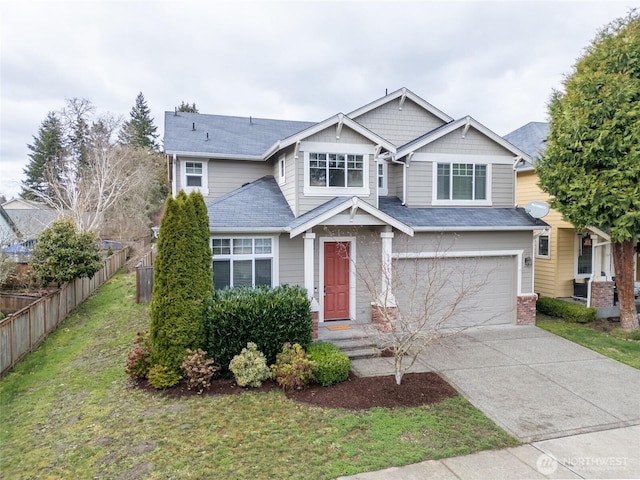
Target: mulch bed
{"points": [[355, 393]]}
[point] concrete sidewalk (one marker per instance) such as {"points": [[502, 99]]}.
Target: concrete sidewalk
{"points": [[604, 454], [539, 388]]}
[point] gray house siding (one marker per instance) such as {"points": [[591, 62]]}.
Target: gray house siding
{"points": [[228, 175], [399, 126], [470, 242], [291, 260], [474, 143]]}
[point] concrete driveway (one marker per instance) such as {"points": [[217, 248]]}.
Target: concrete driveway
{"points": [[533, 384]]}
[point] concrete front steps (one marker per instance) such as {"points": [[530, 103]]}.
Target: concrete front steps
{"points": [[357, 348]]}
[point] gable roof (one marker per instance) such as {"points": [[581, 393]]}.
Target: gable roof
{"points": [[339, 120], [338, 205], [254, 207], [531, 138], [442, 219], [401, 95], [244, 138], [465, 122], [10, 223]]}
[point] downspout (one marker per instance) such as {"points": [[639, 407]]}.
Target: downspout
{"points": [[173, 179]]}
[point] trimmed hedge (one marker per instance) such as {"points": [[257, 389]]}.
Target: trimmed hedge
{"points": [[568, 311], [331, 365], [267, 317]]}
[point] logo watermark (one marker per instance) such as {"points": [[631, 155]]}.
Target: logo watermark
{"points": [[547, 465]]}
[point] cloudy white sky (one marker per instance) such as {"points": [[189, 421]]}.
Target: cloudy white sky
{"points": [[496, 61]]}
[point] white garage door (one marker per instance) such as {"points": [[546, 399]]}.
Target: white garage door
{"points": [[458, 291]]}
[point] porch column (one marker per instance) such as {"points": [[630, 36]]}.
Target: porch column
{"points": [[386, 294], [309, 238], [309, 273], [384, 309]]}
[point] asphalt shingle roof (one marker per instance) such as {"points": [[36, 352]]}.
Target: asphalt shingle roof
{"points": [[458, 217], [531, 138], [227, 135], [259, 205]]}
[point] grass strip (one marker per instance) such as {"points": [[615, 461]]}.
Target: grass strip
{"points": [[68, 411]]}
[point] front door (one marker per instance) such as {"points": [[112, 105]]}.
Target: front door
{"points": [[336, 280]]}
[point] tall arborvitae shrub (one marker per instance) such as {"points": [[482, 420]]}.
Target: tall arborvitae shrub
{"points": [[182, 281]]}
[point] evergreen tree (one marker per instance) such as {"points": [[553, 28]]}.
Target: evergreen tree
{"points": [[46, 158], [182, 281], [139, 131], [62, 254], [591, 165], [189, 108]]}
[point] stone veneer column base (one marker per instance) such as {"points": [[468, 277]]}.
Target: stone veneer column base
{"points": [[314, 330], [602, 294], [526, 309], [384, 317]]}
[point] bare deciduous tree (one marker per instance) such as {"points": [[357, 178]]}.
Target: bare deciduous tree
{"points": [[420, 296]]}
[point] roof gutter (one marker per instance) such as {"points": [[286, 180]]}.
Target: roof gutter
{"points": [[234, 230], [219, 156], [480, 229]]}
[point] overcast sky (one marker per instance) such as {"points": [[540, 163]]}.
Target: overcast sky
{"points": [[496, 61]]}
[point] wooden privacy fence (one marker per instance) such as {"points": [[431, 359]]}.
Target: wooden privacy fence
{"points": [[144, 277], [22, 331]]}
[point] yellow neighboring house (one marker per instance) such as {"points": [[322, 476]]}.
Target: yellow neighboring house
{"points": [[564, 258]]}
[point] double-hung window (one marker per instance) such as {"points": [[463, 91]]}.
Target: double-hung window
{"points": [[462, 182], [193, 172], [243, 261]]}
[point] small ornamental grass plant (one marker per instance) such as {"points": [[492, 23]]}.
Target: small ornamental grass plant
{"points": [[292, 370], [139, 360], [250, 367], [198, 370]]}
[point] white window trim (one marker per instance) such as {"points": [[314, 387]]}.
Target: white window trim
{"points": [[348, 149], [384, 189], [204, 189], [274, 255], [461, 160], [548, 236], [282, 170], [352, 274]]}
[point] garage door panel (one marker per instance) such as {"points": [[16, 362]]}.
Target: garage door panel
{"points": [[458, 291]]}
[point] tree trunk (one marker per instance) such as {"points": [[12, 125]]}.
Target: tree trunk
{"points": [[623, 253]]}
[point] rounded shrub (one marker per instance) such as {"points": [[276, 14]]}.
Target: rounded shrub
{"points": [[250, 367], [161, 377], [292, 370], [330, 364]]}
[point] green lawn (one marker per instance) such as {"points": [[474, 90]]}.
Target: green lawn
{"points": [[614, 343], [67, 411]]}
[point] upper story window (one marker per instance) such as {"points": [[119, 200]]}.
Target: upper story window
{"points": [[336, 170], [193, 176], [382, 179], [282, 172], [462, 183]]}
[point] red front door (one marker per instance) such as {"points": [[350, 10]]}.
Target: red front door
{"points": [[336, 280]]}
